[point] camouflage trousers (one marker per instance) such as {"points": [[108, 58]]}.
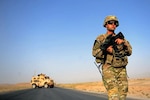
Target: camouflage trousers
{"points": [[115, 82]]}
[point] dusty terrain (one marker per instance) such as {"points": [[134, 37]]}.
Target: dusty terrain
{"points": [[138, 88], [13, 87]]}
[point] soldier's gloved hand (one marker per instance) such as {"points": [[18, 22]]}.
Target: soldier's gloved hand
{"points": [[119, 41], [110, 49]]}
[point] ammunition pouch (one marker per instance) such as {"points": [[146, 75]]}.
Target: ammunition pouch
{"points": [[119, 61], [99, 60]]}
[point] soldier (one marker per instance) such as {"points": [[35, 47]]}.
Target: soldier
{"points": [[113, 61]]}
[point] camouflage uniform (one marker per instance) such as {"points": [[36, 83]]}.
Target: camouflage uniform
{"points": [[114, 73]]}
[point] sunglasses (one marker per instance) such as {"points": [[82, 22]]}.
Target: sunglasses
{"points": [[113, 22]]}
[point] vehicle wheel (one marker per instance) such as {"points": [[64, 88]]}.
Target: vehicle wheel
{"points": [[51, 86], [33, 86], [45, 85]]}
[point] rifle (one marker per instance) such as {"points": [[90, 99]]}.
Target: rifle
{"points": [[110, 40]]}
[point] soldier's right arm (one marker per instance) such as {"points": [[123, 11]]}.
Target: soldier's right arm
{"points": [[96, 51]]}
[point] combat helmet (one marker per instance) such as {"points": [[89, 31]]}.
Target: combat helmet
{"points": [[109, 18]]}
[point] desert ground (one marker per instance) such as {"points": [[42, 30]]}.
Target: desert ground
{"points": [[13, 87], [138, 88]]}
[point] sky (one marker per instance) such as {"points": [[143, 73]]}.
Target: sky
{"points": [[55, 37]]}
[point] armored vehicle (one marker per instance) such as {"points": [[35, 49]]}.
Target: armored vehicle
{"points": [[41, 80]]}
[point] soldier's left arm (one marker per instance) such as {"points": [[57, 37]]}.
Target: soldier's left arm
{"points": [[128, 47]]}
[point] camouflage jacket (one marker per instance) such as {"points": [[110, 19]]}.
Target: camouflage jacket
{"points": [[106, 57]]}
